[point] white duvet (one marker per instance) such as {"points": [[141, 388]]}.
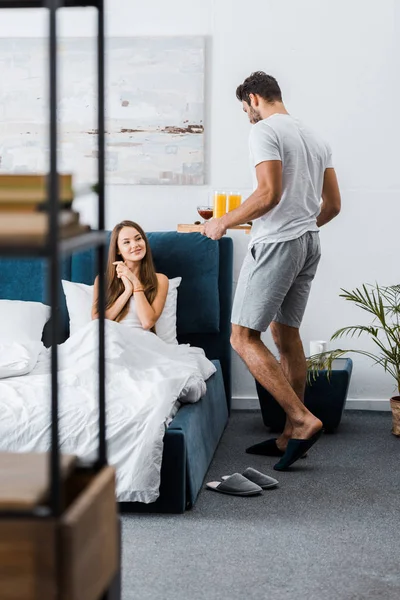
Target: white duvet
{"points": [[145, 377]]}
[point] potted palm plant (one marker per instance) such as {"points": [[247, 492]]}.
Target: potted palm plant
{"points": [[383, 304]]}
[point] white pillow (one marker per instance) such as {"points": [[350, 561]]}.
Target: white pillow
{"points": [[18, 359], [22, 321], [79, 298], [166, 324]]}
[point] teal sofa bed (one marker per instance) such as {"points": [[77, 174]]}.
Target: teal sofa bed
{"points": [[203, 320]]}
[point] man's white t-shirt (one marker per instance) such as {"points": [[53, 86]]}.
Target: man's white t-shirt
{"points": [[304, 156]]}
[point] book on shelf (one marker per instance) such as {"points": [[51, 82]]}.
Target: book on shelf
{"points": [[34, 227], [30, 207], [31, 189], [24, 204], [38, 239], [34, 223]]}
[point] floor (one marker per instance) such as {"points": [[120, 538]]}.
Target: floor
{"points": [[329, 531]]}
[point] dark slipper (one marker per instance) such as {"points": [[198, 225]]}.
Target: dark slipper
{"points": [[264, 481], [295, 450], [267, 448], [235, 485]]}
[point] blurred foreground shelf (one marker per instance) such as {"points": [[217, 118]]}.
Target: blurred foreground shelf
{"points": [[25, 479], [27, 247], [44, 4], [60, 534], [73, 556]]}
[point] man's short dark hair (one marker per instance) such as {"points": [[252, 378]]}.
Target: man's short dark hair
{"points": [[262, 84]]}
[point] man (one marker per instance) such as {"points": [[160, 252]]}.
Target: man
{"points": [[292, 171]]}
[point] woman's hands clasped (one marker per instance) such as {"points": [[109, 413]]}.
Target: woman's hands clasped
{"points": [[123, 272]]}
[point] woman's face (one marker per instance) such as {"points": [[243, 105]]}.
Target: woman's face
{"points": [[131, 245]]}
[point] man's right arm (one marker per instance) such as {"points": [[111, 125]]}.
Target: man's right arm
{"points": [[331, 202]]}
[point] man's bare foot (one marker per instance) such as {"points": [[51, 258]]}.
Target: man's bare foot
{"points": [[303, 430], [307, 428], [297, 447], [282, 440]]}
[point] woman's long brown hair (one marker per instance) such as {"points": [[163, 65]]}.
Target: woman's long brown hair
{"points": [[114, 286]]}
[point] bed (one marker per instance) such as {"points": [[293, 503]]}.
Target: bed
{"points": [[203, 320]]}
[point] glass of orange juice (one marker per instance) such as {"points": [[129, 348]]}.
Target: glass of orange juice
{"points": [[219, 204], [234, 200]]}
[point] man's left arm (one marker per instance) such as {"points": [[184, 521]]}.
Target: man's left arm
{"points": [[262, 200]]}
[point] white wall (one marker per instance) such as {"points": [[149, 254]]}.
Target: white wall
{"points": [[338, 66]]}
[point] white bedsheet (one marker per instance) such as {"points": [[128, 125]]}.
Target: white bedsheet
{"points": [[144, 379]]}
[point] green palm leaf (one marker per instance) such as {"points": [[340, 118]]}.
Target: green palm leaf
{"points": [[383, 303], [355, 329]]}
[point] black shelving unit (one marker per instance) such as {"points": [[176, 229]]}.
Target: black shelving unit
{"points": [[48, 3], [55, 248]]}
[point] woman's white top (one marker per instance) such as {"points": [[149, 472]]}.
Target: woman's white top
{"points": [[132, 319]]}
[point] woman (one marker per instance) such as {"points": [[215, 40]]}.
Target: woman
{"points": [[135, 293]]}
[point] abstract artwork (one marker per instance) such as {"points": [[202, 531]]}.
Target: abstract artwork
{"points": [[154, 109]]}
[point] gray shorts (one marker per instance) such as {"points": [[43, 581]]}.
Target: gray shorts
{"points": [[275, 281]]}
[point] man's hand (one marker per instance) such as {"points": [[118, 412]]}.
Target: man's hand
{"points": [[214, 229]]}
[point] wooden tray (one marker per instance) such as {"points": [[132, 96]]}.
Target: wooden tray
{"points": [[188, 228]]}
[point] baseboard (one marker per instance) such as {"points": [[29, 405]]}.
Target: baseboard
{"points": [[251, 403], [245, 403], [367, 404]]}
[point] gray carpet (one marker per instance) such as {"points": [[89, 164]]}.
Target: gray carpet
{"points": [[330, 531]]}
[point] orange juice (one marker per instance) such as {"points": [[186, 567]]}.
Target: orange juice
{"points": [[219, 204], [234, 201]]}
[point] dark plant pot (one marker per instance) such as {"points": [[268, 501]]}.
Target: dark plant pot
{"points": [[395, 406], [324, 397]]}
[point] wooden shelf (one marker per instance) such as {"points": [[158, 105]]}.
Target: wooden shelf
{"points": [[74, 556], [67, 245], [189, 228], [24, 479], [43, 4]]}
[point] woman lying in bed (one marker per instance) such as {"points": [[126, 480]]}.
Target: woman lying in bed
{"points": [[135, 293]]}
